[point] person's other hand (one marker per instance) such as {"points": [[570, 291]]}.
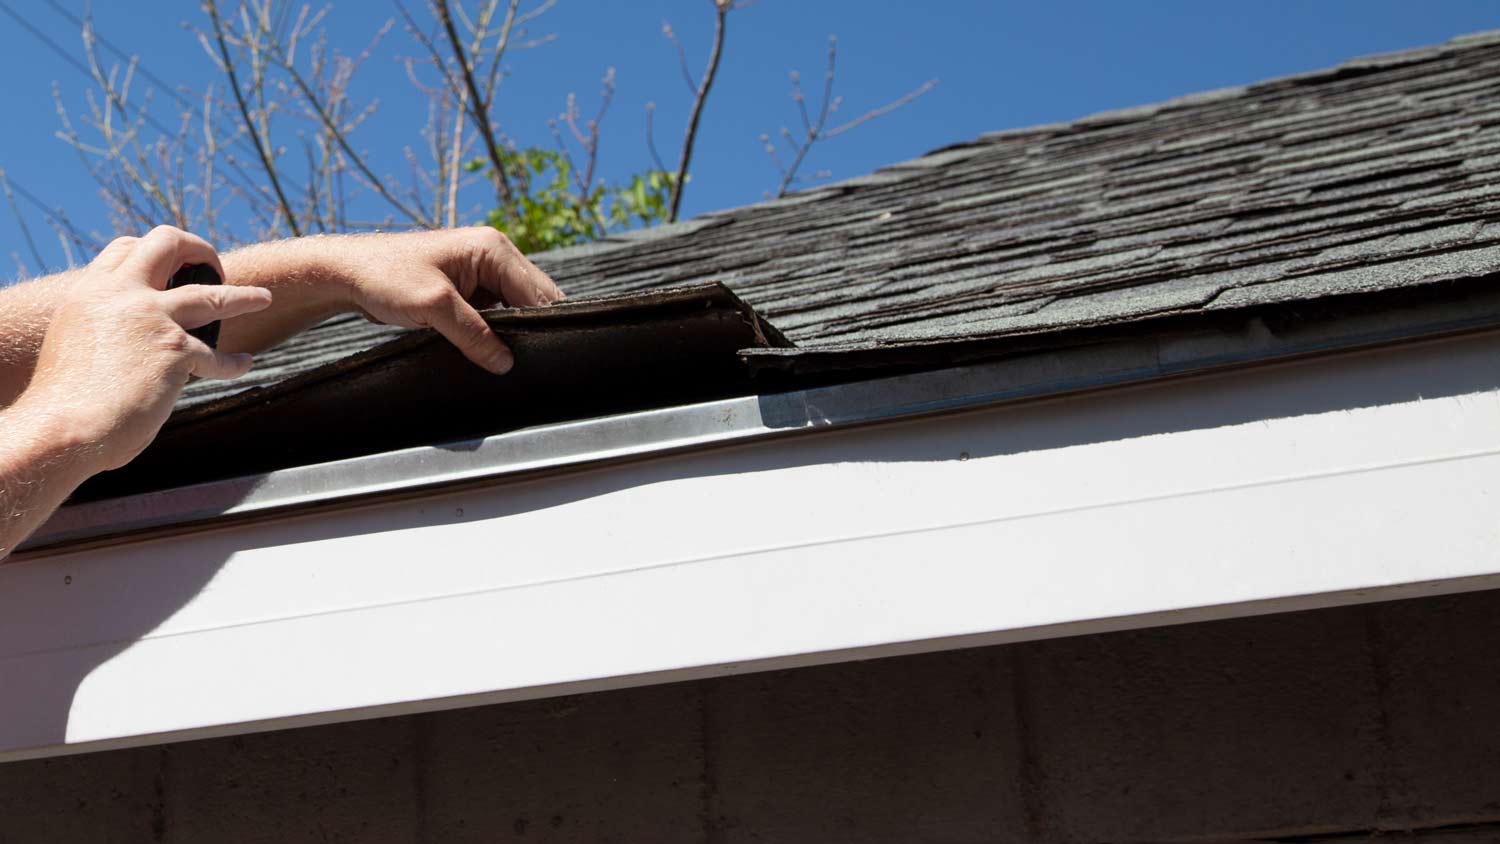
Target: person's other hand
{"points": [[438, 279], [117, 352]]}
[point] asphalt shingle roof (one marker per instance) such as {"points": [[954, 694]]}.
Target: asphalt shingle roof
{"points": [[1381, 173]]}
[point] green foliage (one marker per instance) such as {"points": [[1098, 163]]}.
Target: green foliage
{"points": [[550, 210]]}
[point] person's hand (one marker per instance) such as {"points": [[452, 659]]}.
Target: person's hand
{"points": [[117, 352], [438, 279]]}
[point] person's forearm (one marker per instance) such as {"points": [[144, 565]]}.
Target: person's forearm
{"points": [[114, 360], [415, 280], [41, 463], [25, 312], [305, 279], [306, 284]]}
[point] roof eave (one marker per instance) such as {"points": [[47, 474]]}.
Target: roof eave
{"points": [[939, 378]]}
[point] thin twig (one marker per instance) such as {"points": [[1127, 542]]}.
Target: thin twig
{"points": [[513, 21], [532, 15], [480, 31], [770, 148], [721, 11], [58, 219], [651, 138], [141, 173], [239, 98], [682, 62], [588, 138], [79, 66], [826, 108], [66, 241], [447, 148], [801, 102], [15, 209], [582, 198], [814, 131], [337, 134], [880, 112], [207, 156], [455, 163], [492, 81], [478, 107], [313, 199]]}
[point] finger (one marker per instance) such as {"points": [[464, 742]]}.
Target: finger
{"points": [[193, 305], [114, 253], [165, 250], [504, 271], [212, 363], [457, 320]]}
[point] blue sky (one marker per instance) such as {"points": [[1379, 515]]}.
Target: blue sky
{"points": [[1000, 65]]}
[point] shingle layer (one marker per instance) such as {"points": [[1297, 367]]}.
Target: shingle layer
{"points": [[1384, 172]]}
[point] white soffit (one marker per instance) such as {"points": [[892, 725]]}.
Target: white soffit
{"points": [[1340, 479]]}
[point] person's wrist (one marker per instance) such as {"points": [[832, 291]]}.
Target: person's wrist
{"points": [[339, 263], [309, 274], [53, 436]]}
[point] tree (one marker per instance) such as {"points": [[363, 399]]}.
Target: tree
{"points": [[266, 149]]}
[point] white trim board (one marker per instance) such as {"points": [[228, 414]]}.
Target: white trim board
{"points": [[1360, 477]]}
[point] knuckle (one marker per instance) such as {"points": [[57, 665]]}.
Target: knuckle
{"points": [[478, 331], [217, 298], [122, 242], [489, 237], [167, 231], [175, 341], [435, 297]]}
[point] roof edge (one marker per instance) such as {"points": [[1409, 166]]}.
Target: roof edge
{"points": [[935, 388]]}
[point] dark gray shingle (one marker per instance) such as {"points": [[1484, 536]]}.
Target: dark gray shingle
{"points": [[1377, 174]]}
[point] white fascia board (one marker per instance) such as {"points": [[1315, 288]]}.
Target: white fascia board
{"points": [[1357, 477]]}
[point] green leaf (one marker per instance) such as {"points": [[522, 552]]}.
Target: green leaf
{"points": [[549, 214]]}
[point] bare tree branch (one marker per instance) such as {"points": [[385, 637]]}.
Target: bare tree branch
{"points": [[478, 107], [721, 11], [10, 199], [880, 112], [79, 66], [528, 17], [651, 139], [770, 148], [588, 137], [189, 173], [455, 165], [66, 241], [261, 150], [207, 156], [492, 81], [814, 131], [59, 221], [513, 22], [801, 102], [336, 133], [122, 145], [682, 62]]}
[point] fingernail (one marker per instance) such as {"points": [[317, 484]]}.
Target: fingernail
{"points": [[503, 361]]}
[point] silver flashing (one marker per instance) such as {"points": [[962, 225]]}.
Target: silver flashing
{"points": [[639, 435]]}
